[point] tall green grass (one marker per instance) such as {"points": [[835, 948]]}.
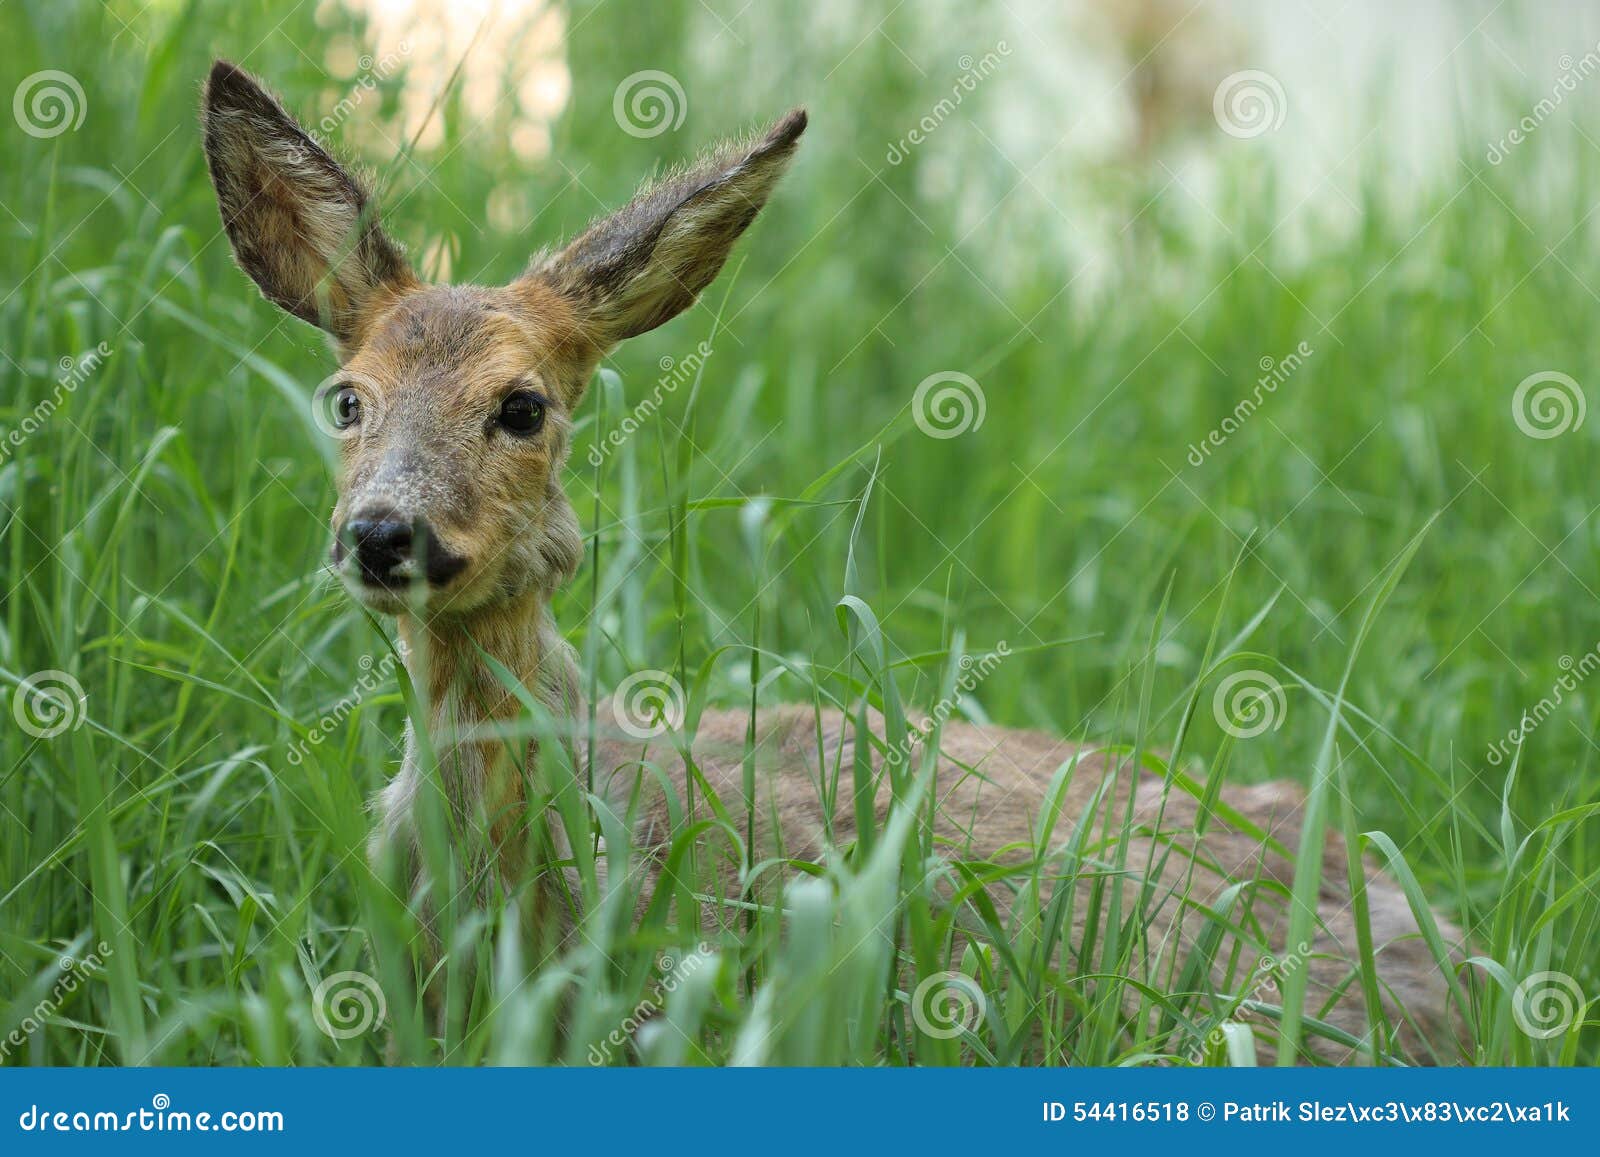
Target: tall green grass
{"points": [[783, 531]]}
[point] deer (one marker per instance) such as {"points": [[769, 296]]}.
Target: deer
{"points": [[456, 406]]}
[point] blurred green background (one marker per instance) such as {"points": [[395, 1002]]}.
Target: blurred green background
{"points": [[1104, 249]]}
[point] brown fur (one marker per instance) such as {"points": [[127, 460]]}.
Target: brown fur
{"points": [[432, 364]]}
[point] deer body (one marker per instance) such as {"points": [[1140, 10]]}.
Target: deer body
{"points": [[455, 406]]}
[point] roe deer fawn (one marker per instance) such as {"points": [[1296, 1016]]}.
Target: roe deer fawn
{"points": [[457, 403]]}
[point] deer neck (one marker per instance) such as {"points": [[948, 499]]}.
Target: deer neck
{"points": [[467, 700]]}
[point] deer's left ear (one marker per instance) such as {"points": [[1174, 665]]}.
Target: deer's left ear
{"points": [[646, 263]]}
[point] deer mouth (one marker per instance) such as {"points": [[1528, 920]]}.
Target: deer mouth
{"points": [[394, 572]]}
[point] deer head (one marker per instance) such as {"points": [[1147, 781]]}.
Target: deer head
{"points": [[455, 403]]}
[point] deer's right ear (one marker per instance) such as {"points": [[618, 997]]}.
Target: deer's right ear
{"points": [[301, 226]]}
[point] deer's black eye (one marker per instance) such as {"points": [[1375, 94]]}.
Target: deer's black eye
{"points": [[522, 413], [345, 408]]}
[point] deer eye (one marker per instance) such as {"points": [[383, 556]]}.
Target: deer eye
{"points": [[522, 413], [337, 406], [346, 408]]}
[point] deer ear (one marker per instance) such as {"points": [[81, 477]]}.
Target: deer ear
{"points": [[647, 262], [301, 226]]}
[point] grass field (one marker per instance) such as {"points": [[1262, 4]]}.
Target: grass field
{"points": [[182, 846]]}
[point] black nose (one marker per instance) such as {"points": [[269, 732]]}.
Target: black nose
{"points": [[381, 542]]}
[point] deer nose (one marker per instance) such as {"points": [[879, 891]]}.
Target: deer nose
{"points": [[390, 550], [381, 543]]}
